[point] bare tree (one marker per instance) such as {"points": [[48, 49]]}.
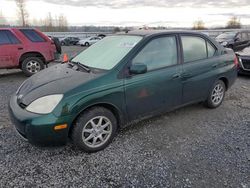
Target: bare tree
{"points": [[199, 25], [62, 23], [22, 12], [234, 23], [2, 19], [48, 23], [117, 29]]}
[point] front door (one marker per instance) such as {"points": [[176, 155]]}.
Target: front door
{"points": [[160, 87]]}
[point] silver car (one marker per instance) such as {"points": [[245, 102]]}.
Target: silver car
{"points": [[89, 41]]}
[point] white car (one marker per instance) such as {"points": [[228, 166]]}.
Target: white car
{"points": [[89, 41]]}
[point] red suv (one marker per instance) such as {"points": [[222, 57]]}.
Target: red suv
{"points": [[28, 49]]}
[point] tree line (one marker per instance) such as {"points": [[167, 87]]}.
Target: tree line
{"points": [[59, 22], [49, 24], [233, 23]]}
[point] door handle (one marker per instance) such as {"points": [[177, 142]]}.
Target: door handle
{"points": [[177, 75], [215, 65], [186, 75], [20, 48]]}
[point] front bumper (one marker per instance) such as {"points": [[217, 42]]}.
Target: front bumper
{"points": [[37, 129]]}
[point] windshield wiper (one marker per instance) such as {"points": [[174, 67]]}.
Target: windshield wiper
{"points": [[85, 67]]}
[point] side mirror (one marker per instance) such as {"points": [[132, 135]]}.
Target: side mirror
{"points": [[138, 68]]}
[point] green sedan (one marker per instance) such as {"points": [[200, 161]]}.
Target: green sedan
{"points": [[121, 79]]}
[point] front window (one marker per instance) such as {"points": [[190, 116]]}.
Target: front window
{"points": [[158, 53], [108, 52]]}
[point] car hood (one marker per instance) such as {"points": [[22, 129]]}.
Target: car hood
{"points": [[244, 52], [57, 79]]}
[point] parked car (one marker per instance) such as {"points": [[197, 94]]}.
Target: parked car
{"points": [[69, 41], [101, 36], [27, 49], [89, 41], [118, 80], [234, 40], [244, 61]]}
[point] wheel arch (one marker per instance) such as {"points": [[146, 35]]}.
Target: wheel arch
{"points": [[115, 110], [226, 82], [31, 54]]}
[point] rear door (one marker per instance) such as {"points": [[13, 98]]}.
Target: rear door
{"points": [[38, 42], [93, 40], [10, 48], [199, 67], [160, 88]]}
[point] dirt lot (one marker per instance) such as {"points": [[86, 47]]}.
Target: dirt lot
{"points": [[189, 147]]}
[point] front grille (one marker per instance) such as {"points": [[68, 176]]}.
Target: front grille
{"points": [[246, 64]]}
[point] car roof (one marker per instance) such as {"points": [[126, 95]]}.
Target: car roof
{"points": [[145, 33]]}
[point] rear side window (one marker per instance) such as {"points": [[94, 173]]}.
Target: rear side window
{"points": [[196, 48], [32, 35], [6, 37], [158, 53]]}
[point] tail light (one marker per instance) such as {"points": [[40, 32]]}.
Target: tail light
{"points": [[236, 61]]}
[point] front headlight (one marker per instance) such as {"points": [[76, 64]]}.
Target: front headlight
{"points": [[44, 105], [224, 43]]}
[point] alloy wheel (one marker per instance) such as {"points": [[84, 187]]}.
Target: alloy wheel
{"points": [[97, 131], [33, 66], [217, 94]]}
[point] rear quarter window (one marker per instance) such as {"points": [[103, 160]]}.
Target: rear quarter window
{"points": [[32, 35]]}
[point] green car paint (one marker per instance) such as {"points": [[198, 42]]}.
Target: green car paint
{"points": [[110, 84]]}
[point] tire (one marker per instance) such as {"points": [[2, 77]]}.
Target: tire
{"points": [[89, 129], [57, 44], [32, 65], [86, 44], [216, 95]]}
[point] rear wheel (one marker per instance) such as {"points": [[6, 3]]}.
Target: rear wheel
{"points": [[216, 95], [32, 65], [94, 130], [86, 44]]}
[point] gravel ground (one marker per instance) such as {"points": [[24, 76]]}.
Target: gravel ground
{"points": [[189, 147]]}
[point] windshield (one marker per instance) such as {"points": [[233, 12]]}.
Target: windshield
{"points": [[226, 35], [106, 53]]}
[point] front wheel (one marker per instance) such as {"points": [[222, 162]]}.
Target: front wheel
{"points": [[94, 130], [216, 95], [87, 44]]}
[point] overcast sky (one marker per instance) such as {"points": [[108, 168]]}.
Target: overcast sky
{"points": [[174, 13]]}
